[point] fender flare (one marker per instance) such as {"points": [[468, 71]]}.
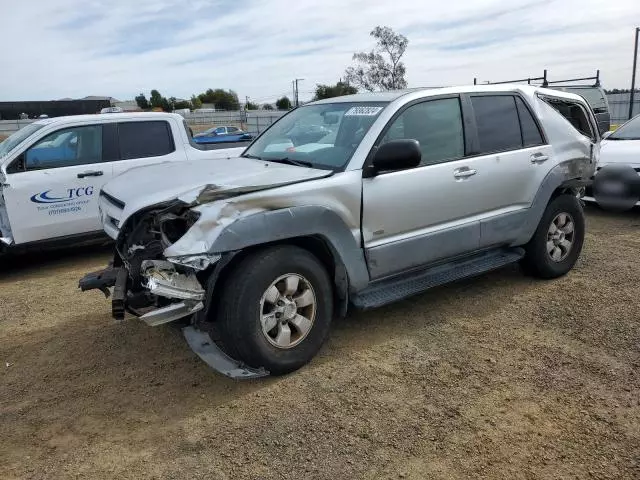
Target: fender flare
{"points": [[566, 175], [304, 221]]}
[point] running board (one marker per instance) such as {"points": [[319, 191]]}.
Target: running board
{"points": [[406, 285], [201, 343]]}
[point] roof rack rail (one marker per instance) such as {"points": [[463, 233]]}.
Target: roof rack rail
{"points": [[546, 82]]}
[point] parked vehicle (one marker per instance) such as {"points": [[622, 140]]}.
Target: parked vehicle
{"points": [[417, 189], [597, 100], [112, 110], [52, 170], [616, 185], [222, 134]]}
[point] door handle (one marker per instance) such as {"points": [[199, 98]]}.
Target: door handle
{"points": [[539, 158], [95, 173], [464, 172]]}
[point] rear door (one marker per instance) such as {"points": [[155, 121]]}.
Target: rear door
{"points": [[147, 142], [52, 187], [511, 158]]}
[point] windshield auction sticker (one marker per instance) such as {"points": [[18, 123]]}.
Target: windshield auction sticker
{"points": [[362, 111]]}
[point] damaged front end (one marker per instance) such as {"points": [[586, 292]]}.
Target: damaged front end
{"points": [[160, 289], [144, 283]]}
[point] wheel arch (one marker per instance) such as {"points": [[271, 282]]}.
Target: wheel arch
{"points": [[564, 178], [319, 247]]}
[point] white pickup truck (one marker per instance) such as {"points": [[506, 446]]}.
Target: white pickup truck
{"points": [[52, 170]]}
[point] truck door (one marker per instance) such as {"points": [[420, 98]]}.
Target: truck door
{"points": [[51, 189]]}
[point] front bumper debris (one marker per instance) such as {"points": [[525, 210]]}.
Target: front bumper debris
{"points": [[173, 311], [163, 280], [102, 280], [212, 355]]}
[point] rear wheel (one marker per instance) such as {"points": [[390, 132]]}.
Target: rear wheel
{"points": [[276, 309], [556, 245]]}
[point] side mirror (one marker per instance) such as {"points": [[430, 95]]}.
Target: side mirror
{"points": [[606, 134], [397, 155]]}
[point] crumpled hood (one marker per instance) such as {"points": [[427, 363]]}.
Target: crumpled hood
{"points": [[149, 185], [626, 152]]}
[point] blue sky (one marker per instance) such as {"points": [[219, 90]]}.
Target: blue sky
{"points": [[74, 48]]}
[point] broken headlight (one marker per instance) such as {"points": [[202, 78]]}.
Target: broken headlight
{"points": [[173, 225]]}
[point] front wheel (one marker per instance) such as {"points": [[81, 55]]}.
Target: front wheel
{"points": [[276, 309], [557, 242]]}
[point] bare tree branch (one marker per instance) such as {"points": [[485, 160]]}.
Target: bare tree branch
{"points": [[372, 71]]}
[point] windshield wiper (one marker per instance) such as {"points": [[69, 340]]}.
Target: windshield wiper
{"points": [[290, 161], [248, 155]]}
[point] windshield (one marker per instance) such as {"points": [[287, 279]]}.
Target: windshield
{"points": [[628, 131], [320, 136], [14, 140]]}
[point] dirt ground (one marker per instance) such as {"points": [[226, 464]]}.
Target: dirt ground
{"points": [[496, 377]]}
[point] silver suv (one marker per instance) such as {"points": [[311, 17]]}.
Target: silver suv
{"points": [[404, 191]]}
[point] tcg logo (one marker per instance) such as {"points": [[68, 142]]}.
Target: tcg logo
{"points": [[70, 194]]}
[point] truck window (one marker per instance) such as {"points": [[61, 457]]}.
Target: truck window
{"points": [[145, 139], [66, 147], [437, 125], [531, 135], [497, 122]]}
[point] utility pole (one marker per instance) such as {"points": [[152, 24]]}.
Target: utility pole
{"points": [[246, 102], [295, 91], [633, 74]]}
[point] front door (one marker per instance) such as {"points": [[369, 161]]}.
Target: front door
{"points": [[416, 216], [52, 188]]}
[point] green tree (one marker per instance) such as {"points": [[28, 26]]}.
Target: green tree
{"points": [[195, 102], [381, 68], [267, 106], [283, 103], [337, 90], [251, 106], [222, 99], [156, 99], [181, 104], [142, 101]]}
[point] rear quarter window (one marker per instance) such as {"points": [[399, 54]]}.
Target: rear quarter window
{"points": [[145, 139]]}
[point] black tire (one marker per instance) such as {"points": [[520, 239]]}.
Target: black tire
{"points": [[537, 260], [239, 312]]}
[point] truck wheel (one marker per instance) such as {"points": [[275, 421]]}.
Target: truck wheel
{"points": [[556, 245], [276, 309]]}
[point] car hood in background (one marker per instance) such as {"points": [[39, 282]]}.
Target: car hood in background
{"points": [[625, 152], [202, 181]]}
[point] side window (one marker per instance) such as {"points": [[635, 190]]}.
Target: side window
{"points": [[574, 113], [221, 130], [437, 125], [497, 122], [144, 139], [65, 148], [531, 135], [232, 129]]}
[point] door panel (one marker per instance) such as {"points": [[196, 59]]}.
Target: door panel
{"points": [[44, 204], [55, 193]]}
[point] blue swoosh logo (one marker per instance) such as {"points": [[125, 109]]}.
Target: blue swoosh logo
{"points": [[44, 197]]}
